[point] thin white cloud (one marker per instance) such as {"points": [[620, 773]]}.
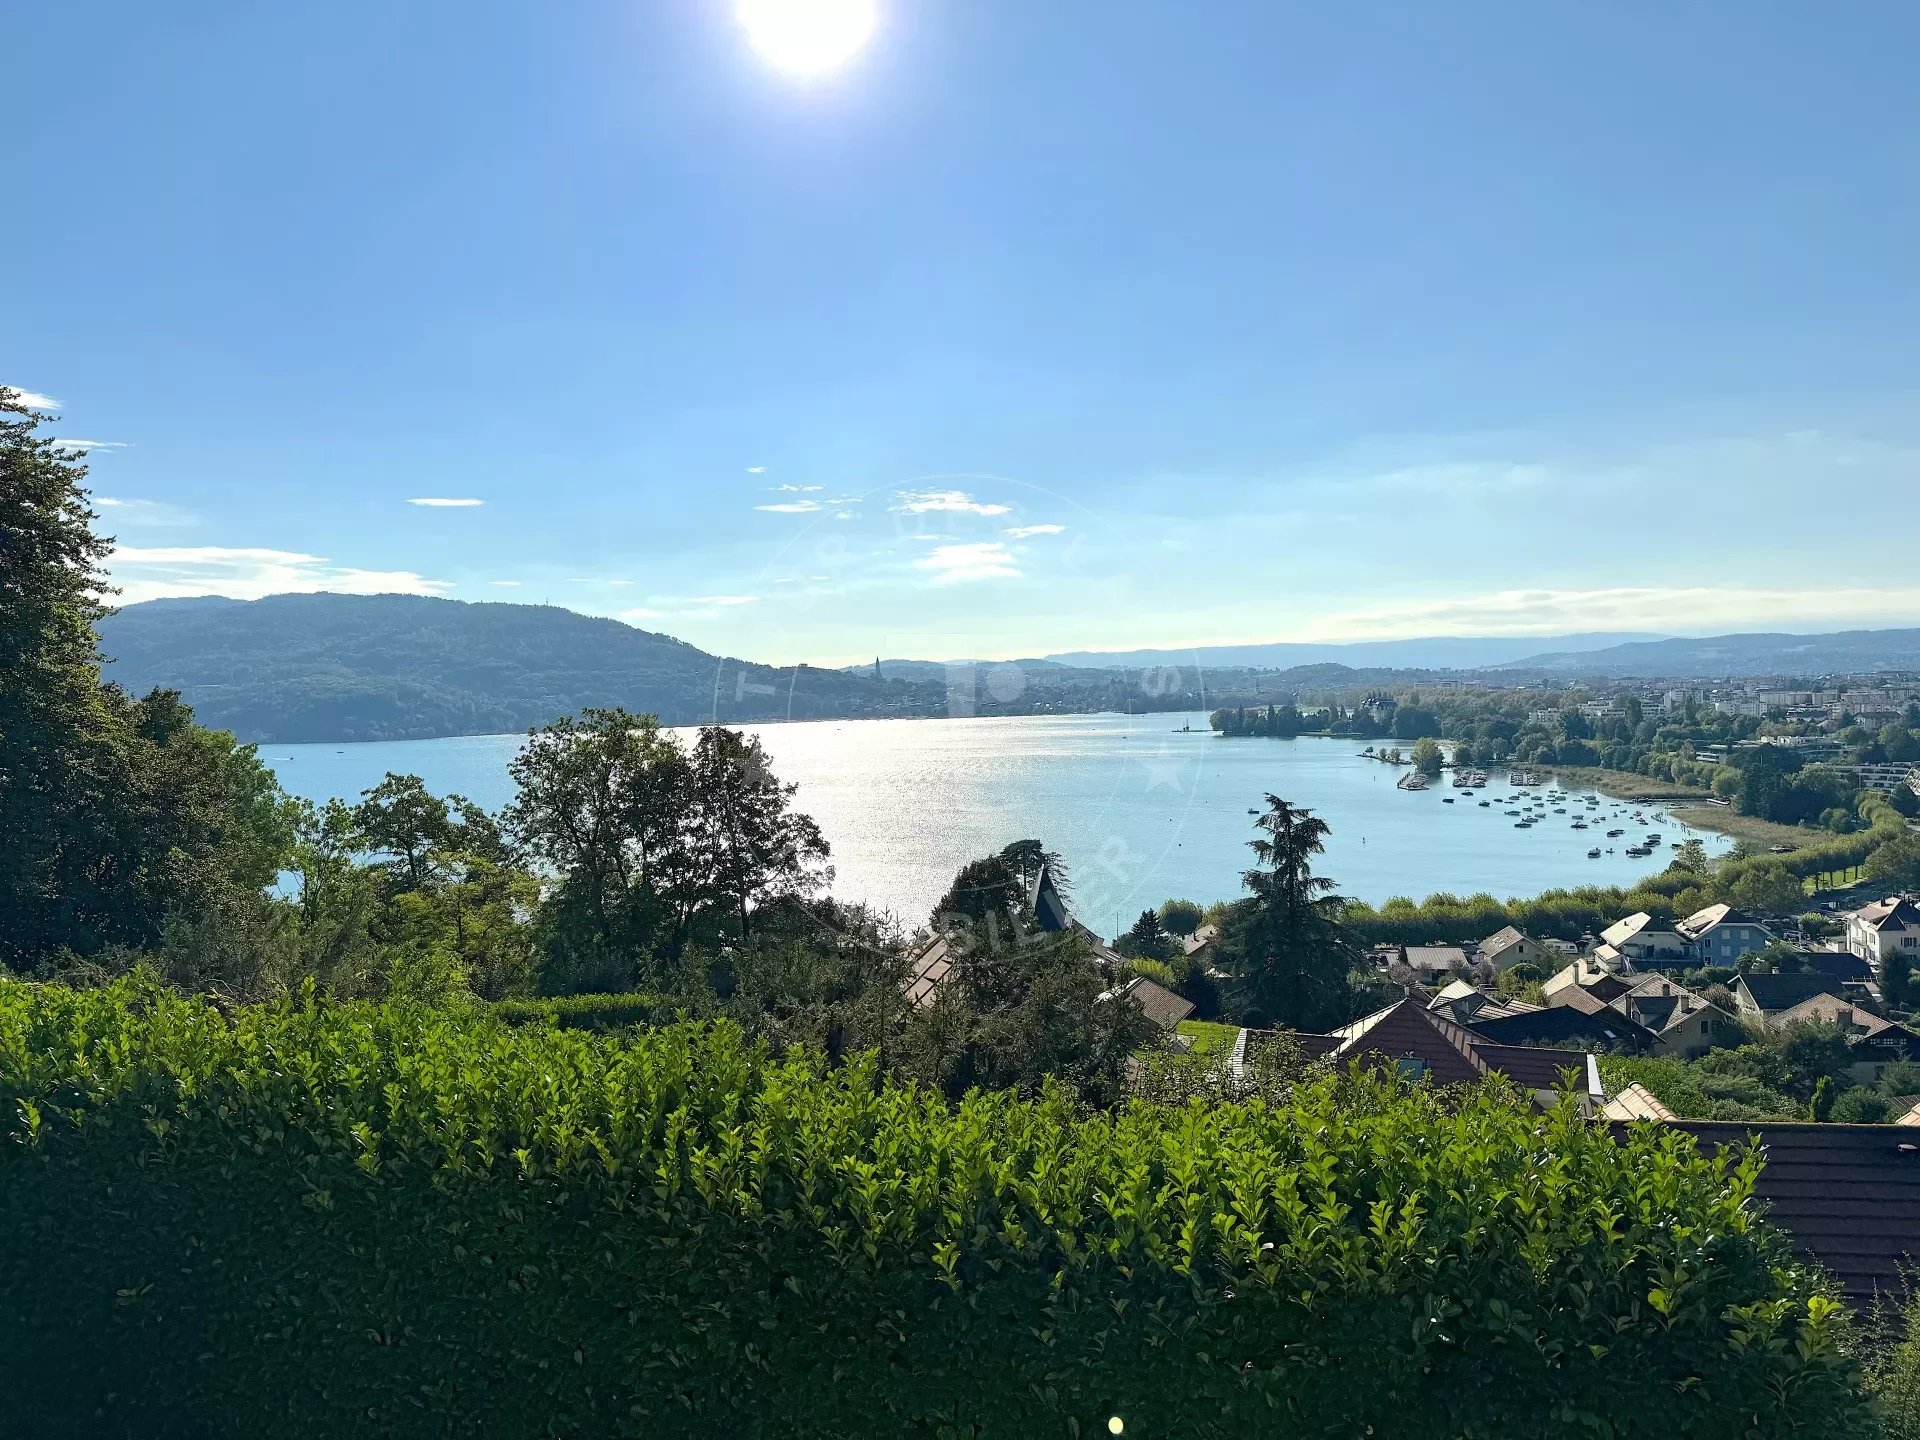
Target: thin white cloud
{"points": [[442, 502], [957, 564], [920, 502], [1702, 609], [1024, 532], [89, 445], [796, 489], [142, 514], [34, 400], [247, 573], [506, 584], [756, 469], [791, 507], [844, 515]]}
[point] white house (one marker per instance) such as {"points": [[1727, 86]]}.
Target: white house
{"points": [[1885, 928], [1642, 945]]}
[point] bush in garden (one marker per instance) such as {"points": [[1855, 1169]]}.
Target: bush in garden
{"points": [[360, 1219]]}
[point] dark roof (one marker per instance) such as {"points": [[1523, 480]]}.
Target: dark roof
{"points": [[1535, 1067], [1895, 910], [1561, 1022], [1849, 1195], [1783, 992], [1842, 965], [1049, 906]]}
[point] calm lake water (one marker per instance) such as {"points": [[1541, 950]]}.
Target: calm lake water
{"points": [[1139, 809]]}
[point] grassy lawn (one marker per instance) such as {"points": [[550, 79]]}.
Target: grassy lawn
{"points": [[1208, 1036]]}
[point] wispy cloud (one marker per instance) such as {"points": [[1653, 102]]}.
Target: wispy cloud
{"points": [[506, 584], [844, 515], [791, 507], [34, 400], [125, 514], [1687, 609], [796, 489], [920, 502], [956, 564], [756, 469], [442, 502], [89, 445], [1027, 532], [247, 573]]}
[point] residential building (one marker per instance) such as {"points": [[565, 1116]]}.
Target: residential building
{"points": [[1848, 969], [1720, 935], [1421, 1043], [1050, 913], [1683, 1024], [1603, 1028], [1873, 1042], [1642, 944], [1586, 985], [1431, 963], [1761, 997], [1509, 947], [1885, 928], [1636, 1102], [1203, 947], [1162, 1006]]}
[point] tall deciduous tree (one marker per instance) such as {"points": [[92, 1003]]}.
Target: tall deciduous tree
{"points": [[752, 846]]}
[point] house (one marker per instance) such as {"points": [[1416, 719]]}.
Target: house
{"points": [[1431, 963], [1873, 1041], [1643, 944], [1509, 947], [1886, 928], [1683, 1025], [1585, 984], [1050, 913], [1465, 1003], [1720, 935], [1764, 996], [1848, 969], [1416, 1041], [1162, 1006], [1203, 947], [1911, 1117], [1603, 1028], [1846, 1195]]}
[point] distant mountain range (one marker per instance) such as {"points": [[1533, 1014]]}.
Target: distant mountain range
{"points": [[1717, 656], [1434, 652], [294, 668]]}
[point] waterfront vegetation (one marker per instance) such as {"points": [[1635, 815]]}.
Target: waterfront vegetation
{"points": [[596, 1115]]}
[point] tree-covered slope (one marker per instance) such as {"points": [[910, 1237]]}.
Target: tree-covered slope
{"points": [[386, 667]]}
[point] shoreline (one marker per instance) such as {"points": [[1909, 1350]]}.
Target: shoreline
{"points": [[1688, 802]]}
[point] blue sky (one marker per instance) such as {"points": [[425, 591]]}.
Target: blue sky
{"points": [[1033, 327]]}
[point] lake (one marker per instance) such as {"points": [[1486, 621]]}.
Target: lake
{"points": [[1139, 809]]}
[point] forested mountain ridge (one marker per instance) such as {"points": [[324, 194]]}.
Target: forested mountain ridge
{"points": [[1757, 653], [293, 668]]}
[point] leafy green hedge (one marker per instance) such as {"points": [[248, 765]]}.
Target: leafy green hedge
{"points": [[323, 1220], [585, 1012]]}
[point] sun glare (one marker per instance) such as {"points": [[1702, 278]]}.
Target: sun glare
{"points": [[808, 37]]}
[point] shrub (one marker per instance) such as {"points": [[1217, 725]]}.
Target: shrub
{"points": [[585, 1012], [377, 1220]]}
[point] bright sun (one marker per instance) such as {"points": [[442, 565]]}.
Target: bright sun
{"points": [[808, 37]]}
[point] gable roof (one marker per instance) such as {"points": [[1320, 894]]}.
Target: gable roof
{"points": [[1636, 1102], [1772, 993], [1601, 1026], [1584, 975], [1625, 929], [1661, 1005], [1433, 959], [1201, 938], [1841, 965], [1701, 921], [1896, 912], [1049, 906], [1162, 1006], [1830, 1009], [1452, 1054], [1504, 940]]}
